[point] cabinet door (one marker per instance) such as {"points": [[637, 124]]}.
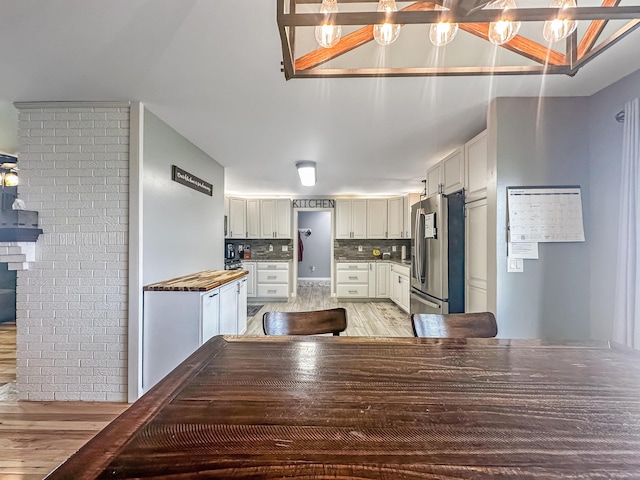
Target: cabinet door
{"points": [[395, 217], [373, 276], [251, 278], [226, 217], [476, 257], [434, 180], [343, 218], [404, 293], [237, 217], [377, 218], [476, 168], [229, 309], [267, 218], [382, 280], [282, 220], [395, 288], [242, 306], [453, 172], [253, 218], [359, 218], [210, 315]]}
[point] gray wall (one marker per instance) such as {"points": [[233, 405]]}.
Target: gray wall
{"points": [[540, 142], [605, 145], [182, 228], [317, 247]]}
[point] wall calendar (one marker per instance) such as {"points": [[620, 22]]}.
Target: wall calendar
{"points": [[545, 214]]}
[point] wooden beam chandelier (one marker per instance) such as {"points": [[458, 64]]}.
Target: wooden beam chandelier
{"points": [[318, 37]]}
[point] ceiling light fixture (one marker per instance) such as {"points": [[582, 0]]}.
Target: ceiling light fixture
{"points": [[307, 172], [503, 31], [327, 33], [387, 33], [559, 28], [494, 21]]}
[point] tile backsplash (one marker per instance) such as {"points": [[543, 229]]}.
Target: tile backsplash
{"points": [[348, 249], [260, 248]]}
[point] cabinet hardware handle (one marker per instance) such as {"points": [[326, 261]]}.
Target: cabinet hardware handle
{"points": [[353, 278], [271, 291], [271, 277], [353, 292], [213, 294]]}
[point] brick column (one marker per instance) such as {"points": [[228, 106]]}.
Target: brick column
{"points": [[72, 302]]}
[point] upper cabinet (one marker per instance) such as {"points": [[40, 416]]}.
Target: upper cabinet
{"points": [[275, 218], [448, 175], [237, 218], [396, 218], [475, 153], [377, 218], [351, 218], [253, 218]]}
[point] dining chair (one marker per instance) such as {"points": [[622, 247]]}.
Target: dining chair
{"points": [[333, 320], [454, 325]]}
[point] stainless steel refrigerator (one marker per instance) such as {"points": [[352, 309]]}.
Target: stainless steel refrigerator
{"points": [[437, 254]]}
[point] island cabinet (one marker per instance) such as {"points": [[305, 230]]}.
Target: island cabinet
{"points": [[181, 314]]}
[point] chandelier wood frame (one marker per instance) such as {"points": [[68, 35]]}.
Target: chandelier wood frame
{"points": [[471, 18]]}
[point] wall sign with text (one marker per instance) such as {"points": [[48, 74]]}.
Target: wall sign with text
{"points": [[191, 181]]}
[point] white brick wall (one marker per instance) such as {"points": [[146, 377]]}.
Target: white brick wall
{"points": [[72, 302]]}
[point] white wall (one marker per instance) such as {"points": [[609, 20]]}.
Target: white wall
{"points": [[182, 228], [605, 144], [536, 142]]}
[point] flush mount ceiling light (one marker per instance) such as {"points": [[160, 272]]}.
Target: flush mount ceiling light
{"points": [[497, 37], [307, 172]]}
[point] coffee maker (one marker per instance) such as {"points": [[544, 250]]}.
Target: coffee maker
{"points": [[230, 252]]}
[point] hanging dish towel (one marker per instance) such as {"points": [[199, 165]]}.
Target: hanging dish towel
{"points": [[300, 247]]}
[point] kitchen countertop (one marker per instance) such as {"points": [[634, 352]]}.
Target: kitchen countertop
{"points": [[405, 263], [197, 282]]}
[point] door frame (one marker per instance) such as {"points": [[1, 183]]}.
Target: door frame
{"points": [[294, 270]]}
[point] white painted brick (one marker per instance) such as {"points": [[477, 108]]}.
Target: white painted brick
{"points": [[67, 116]]}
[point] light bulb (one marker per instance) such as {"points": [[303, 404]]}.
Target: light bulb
{"points": [[327, 34], [502, 31], [11, 179], [442, 33], [558, 28], [386, 33]]}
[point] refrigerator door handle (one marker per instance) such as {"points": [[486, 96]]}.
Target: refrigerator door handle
{"points": [[429, 304], [418, 246]]}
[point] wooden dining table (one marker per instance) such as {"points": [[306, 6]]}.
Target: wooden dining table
{"points": [[380, 408]]}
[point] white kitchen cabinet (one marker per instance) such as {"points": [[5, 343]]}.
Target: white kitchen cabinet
{"points": [[352, 280], [447, 176], [275, 218], [351, 218], [476, 267], [253, 218], [399, 287], [377, 218], [251, 278], [396, 217], [379, 280], [272, 280], [237, 219], [176, 323], [476, 169]]}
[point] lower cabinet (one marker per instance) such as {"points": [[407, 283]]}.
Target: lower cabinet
{"points": [[251, 278], [272, 280], [379, 280], [176, 323], [352, 280], [400, 290]]}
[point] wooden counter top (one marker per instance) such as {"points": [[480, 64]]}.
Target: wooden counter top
{"points": [[197, 282]]}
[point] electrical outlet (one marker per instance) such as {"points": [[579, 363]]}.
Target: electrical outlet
{"points": [[393, 248], [270, 248], [360, 248], [313, 268], [285, 248]]}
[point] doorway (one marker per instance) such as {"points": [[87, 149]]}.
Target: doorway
{"points": [[313, 247]]}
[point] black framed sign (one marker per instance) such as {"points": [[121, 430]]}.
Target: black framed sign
{"points": [[191, 181]]}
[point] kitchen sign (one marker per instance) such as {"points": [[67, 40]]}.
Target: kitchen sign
{"points": [[191, 181], [314, 203]]}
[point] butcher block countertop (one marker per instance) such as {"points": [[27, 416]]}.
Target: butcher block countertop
{"points": [[197, 282]]}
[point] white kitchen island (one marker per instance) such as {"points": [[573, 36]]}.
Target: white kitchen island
{"points": [[183, 313]]}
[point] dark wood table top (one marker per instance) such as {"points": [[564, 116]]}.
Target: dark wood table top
{"points": [[380, 408]]}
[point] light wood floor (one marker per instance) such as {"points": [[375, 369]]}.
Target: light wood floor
{"points": [[35, 437], [364, 319]]}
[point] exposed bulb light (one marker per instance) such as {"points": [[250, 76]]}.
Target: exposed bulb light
{"points": [[558, 28], [503, 31], [442, 33], [387, 33], [307, 172], [328, 34], [11, 179]]}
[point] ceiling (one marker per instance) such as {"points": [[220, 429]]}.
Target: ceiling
{"points": [[211, 70]]}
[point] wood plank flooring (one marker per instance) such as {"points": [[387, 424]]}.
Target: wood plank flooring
{"points": [[364, 319], [7, 352]]}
